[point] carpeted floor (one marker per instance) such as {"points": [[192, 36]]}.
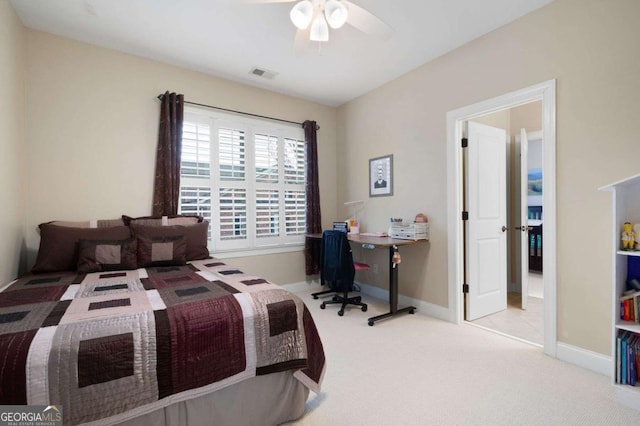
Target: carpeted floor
{"points": [[417, 370]]}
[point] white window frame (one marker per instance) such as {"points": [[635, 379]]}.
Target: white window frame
{"points": [[251, 245]]}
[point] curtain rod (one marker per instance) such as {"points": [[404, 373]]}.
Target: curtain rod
{"points": [[241, 112]]}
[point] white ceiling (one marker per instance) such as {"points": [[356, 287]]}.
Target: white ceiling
{"points": [[227, 38]]}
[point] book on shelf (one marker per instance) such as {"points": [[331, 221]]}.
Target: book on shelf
{"points": [[626, 313], [626, 310], [627, 358], [623, 358], [618, 357], [637, 359], [630, 294], [631, 360], [630, 306]]}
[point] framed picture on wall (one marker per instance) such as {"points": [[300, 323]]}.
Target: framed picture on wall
{"points": [[381, 176]]}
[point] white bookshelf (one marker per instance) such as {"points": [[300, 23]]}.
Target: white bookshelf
{"points": [[626, 208]]}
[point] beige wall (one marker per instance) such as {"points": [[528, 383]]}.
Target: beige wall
{"points": [[527, 116], [92, 131], [12, 170], [588, 47]]}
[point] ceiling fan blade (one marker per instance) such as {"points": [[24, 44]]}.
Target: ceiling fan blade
{"points": [[367, 22]]}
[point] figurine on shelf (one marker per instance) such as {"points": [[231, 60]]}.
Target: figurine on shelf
{"points": [[628, 237]]}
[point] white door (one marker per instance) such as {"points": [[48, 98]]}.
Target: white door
{"points": [[524, 217], [486, 194]]}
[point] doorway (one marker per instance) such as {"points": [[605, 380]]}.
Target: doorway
{"points": [[519, 311], [545, 93]]}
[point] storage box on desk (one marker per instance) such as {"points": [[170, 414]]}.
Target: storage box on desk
{"points": [[410, 231]]}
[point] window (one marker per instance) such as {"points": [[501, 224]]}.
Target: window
{"points": [[246, 177]]}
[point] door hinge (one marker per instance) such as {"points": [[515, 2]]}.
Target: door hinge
{"points": [[465, 215], [465, 288], [465, 142]]}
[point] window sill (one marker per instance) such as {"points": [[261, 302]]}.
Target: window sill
{"points": [[224, 254]]}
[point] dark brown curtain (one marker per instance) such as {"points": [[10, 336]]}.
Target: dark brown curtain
{"points": [[166, 190], [314, 224]]}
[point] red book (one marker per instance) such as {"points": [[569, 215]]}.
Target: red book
{"points": [[626, 310]]}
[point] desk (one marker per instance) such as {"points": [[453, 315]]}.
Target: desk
{"points": [[393, 244]]}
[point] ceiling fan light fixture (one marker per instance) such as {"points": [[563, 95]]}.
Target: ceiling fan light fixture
{"points": [[336, 13], [319, 29], [301, 14]]}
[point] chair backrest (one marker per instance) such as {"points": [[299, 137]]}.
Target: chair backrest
{"points": [[336, 261]]}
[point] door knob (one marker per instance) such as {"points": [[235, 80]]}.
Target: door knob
{"points": [[504, 228]]}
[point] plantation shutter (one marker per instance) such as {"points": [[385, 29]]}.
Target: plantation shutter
{"points": [[195, 171], [247, 177]]}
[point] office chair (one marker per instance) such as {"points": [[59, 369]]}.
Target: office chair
{"points": [[330, 291], [338, 269]]}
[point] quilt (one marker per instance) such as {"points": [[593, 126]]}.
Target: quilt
{"points": [[109, 343]]}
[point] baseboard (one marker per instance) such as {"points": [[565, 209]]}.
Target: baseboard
{"points": [[422, 307], [584, 358]]}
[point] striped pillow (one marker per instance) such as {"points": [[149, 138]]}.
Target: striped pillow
{"points": [[162, 220], [93, 223]]}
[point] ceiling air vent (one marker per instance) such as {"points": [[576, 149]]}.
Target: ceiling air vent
{"points": [[261, 72]]}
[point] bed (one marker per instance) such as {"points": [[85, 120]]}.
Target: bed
{"points": [[141, 326]]}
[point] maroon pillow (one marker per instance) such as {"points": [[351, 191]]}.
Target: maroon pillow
{"points": [[107, 255], [195, 235], [59, 245], [161, 251]]}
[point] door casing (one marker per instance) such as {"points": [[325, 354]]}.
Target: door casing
{"points": [[546, 93]]}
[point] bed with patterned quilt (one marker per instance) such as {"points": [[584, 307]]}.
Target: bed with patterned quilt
{"points": [[133, 322]]}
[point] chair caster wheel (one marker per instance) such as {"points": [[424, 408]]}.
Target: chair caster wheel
{"points": [[323, 306], [315, 296], [371, 323], [340, 312], [412, 311], [364, 308]]}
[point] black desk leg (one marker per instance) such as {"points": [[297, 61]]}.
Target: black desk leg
{"points": [[393, 291]]}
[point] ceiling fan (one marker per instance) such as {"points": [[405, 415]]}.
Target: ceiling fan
{"points": [[313, 18]]}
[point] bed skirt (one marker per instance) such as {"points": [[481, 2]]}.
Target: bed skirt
{"points": [[262, 400]]}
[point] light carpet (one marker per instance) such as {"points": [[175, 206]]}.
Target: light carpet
{"points": [[417, 370]]}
